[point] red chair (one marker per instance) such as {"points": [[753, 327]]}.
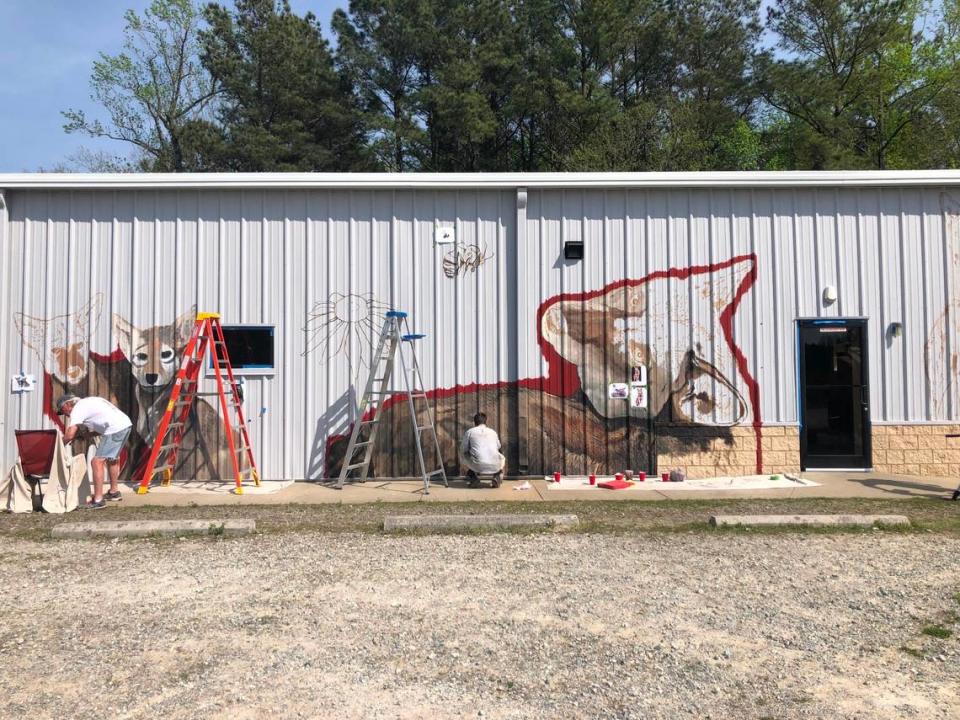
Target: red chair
{"points": [[36, 458]]}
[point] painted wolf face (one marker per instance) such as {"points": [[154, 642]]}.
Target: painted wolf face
{"points": [[633, 323], [61, 342], [154, 353]]}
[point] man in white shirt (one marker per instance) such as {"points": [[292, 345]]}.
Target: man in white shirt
{"points": [[480, 452], [100, 417]]}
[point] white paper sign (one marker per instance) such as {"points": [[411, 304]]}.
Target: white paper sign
{"points": [[444, 235], [638, 395], [618, 391], [22, 383], [638, 374]]}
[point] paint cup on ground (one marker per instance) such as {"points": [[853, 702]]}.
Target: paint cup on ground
{"points": [[641, 476], [629, 475], [556, 477], [618, 476], [593, 479], [664, 477]]}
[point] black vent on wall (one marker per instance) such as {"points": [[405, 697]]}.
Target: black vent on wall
{"points": [[573, 250]]}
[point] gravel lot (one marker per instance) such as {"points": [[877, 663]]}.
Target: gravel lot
{"points": [[350, 625]]}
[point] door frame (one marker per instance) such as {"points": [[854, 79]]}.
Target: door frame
{"points": [[863, 323]]}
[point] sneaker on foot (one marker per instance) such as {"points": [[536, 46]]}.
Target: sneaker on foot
{"points": [[956, 494], [110, 495], [497, 479], [96, 504]]}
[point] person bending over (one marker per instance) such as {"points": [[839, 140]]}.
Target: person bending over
{"points": [[100, 417], [480, 452]]}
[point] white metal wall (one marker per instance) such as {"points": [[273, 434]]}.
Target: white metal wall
{"points": [[893, 255], [270, 257], [279, 256]]}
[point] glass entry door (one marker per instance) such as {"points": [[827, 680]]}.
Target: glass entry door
{"points": [[834, 395]]}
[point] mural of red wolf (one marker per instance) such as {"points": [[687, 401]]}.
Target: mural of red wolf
{"points": [[565, 420], [136, 376]]}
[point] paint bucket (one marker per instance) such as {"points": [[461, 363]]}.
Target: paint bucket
{"points": [[593, 479], [665, 477], [556, 477], [618, 476], [641, 476], [628, 474]]}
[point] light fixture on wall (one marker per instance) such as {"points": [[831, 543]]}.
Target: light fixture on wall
{"points": [[829, 295], [896, 329], [573, 250]]}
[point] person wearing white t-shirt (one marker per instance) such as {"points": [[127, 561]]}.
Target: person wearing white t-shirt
{"points": [[103, 418], [480, 452]]}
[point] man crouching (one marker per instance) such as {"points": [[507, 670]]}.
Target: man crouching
{"points": [[480, 452], [101, 417]]}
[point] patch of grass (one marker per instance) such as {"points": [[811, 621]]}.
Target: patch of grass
{"points": [[937, 631], [611, 517], [913, 651], [217, 530], [956, 598]]}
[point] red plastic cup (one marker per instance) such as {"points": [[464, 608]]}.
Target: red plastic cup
{"points": [[665, 477], [556, 477], [619, 476], [641, 476], [593, 479]]}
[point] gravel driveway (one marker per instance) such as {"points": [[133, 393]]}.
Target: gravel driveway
{"points": [[660, 625]]}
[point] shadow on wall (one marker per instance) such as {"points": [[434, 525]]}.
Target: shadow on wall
{"points": [[335, 421]]}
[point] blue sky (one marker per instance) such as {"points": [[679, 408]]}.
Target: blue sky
{"points": [[47, 49]]}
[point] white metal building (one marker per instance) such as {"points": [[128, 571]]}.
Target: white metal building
{"points": [[754, 320]]}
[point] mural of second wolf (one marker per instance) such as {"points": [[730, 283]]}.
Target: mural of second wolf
{"points": [[590, 340], [136, 376]]}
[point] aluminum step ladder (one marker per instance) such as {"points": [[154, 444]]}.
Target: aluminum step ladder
{"points": [[394, 338]]}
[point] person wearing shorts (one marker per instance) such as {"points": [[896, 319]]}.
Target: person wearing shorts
{"points": [[102, 418]]}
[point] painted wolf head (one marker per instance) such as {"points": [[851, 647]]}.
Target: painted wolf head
{"points": [[635, 322], [61, 343], [154, 353]]}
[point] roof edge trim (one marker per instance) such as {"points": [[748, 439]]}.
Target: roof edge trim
{"points": [[477, 181]]}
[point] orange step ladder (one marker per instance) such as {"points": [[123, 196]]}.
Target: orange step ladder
{"points": [[207, 332]]}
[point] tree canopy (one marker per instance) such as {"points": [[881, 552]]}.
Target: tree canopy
{"points": [[534, 85]]}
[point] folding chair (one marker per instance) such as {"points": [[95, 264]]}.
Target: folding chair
{"points": [[36, 458]]}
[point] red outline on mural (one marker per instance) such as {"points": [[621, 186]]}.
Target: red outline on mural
{"points": [[563, 379]]}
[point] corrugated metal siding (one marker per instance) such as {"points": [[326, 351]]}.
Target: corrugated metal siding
{"points": [[884, 249], [284, 256], [269, 257]]}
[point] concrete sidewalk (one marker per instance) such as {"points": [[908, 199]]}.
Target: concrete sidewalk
{"points": [[831, 485]]}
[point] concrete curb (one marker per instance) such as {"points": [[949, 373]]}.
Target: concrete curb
{"points": [[147, 528], [812, 520], [392, 523]]}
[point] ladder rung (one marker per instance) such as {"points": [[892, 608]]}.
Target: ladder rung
{"points": [[161, 468], [435, 472], [362, 443], [421, 428], [370, 422], [355, 466]]}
